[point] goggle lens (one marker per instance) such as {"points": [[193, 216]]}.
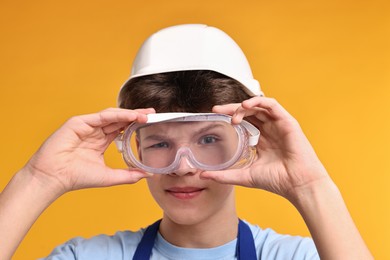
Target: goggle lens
{"points": [[210, 143], [207, 141]]}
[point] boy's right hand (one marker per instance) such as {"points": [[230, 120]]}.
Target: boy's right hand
{"points": [[73, 157]]}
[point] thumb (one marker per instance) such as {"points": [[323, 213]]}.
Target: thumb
{"points": [[232, 176], [124, 176]]}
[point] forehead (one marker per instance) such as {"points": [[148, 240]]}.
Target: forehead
{"points": [[172, 128]]}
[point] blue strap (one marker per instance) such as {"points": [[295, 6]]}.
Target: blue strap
{"points": [[245, 243], [145, 246], [245, 249]]}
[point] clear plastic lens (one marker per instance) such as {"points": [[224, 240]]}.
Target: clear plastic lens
{"points": [[211, 143], [206, 141]]}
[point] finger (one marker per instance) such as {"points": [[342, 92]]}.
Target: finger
{"points": [[124, 176], [228, 109], [260, 113], [114, 127], [234, 177], [110, 116], [238, 112], [146, 110], [274, 109], [140, 110]]}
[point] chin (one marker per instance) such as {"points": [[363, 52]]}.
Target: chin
{"points": [[186, 218]]}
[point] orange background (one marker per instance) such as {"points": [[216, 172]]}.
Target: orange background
{"points": [[327, 62]]}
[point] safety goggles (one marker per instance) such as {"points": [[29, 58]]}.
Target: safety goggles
{"points": [[207, 141]]}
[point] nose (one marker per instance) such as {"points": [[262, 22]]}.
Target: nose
{"points": [[185, 167]]}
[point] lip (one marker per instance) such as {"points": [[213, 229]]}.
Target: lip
{"points": [[184, 193]]}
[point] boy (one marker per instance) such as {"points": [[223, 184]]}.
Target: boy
{"points": [[193, 69]]}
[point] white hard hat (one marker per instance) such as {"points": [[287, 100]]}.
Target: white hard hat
{"points": [[194, 47]]}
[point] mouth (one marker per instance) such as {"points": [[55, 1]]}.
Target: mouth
{"points": [[184, 193]]}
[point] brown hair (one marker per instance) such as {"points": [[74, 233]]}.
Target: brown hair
{"points": [[181, 91]]}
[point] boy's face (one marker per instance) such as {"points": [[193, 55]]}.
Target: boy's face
{"points": [[184, 197]]}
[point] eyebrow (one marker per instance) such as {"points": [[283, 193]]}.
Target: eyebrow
{"points": [[210, 127], [160, 137]]}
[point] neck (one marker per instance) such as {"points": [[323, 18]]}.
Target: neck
{"points": [[214, 231]]}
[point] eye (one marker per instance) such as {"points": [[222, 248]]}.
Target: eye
{"points": [[159, 145], [209, 139]]}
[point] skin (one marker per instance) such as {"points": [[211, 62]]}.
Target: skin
{"points": [[190, 203], [72, 158]]}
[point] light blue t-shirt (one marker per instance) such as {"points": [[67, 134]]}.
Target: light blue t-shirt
{"points": [[122, 245]]}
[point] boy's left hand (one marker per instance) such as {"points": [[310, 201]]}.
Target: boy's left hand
{"points": [[285, 159]]}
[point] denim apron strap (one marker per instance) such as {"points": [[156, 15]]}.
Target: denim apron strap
{"points": [[245, 243]]}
